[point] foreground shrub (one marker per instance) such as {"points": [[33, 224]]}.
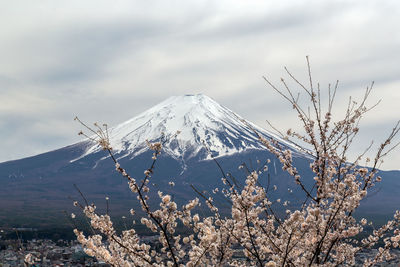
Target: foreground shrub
{"points": [[320, 232]]}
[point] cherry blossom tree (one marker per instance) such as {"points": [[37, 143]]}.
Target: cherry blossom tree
{"points": [[322, 231]]}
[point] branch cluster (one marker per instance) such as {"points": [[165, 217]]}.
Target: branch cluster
{"points": [[321, 232]]}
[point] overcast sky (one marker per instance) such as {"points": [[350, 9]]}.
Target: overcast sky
{"points": [[110, 60]]}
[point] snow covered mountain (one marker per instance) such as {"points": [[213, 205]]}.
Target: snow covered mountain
{"points": [[34, 190], [199, 122]]}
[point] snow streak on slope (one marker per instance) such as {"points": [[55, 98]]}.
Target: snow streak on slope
{"points": [[200, 121]]}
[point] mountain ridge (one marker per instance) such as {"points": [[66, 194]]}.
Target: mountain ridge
{"points": [[34, 190]]}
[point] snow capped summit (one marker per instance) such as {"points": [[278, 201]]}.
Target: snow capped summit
{"points": [[185, 161], [200, 122]]}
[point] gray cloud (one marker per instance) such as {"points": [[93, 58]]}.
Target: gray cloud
{"points": [[110, 62]]}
